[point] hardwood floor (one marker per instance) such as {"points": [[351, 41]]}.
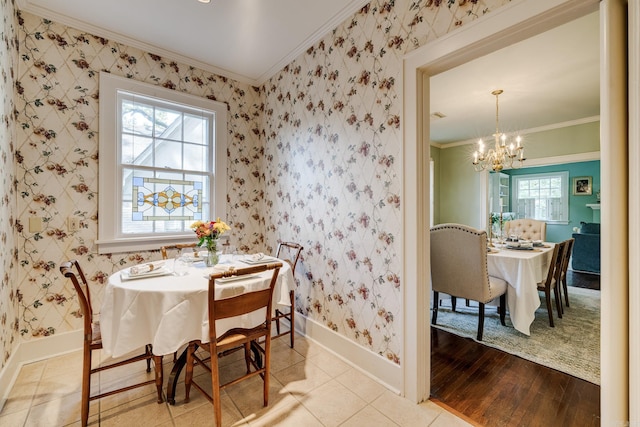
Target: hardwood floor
{"points": [[583, 280], [493, 388]]}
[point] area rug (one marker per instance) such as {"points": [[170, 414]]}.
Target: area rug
{"points": [[572, 346]]}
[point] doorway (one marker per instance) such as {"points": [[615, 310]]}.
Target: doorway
{"points": [[516, 22]]}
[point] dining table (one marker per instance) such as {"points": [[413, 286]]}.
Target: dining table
{"points": [[522, 268], [168, 310]]}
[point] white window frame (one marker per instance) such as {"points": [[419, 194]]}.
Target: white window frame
{"points": [[564, 182], [110, 238]]}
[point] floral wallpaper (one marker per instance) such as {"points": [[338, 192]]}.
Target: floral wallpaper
{"points": [[57, 155], [333, 138], [314, 157], [9, 322]]}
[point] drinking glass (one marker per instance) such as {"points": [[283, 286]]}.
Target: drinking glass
{"points": [[230, 251], [180, 265]]}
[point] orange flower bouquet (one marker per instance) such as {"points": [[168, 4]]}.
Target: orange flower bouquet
{"points": [[208, 233]]}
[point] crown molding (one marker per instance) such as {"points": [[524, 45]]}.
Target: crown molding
{"points": [[553, 126], [347, 11]]}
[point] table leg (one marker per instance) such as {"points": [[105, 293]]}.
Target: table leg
{"points": [[174, 376], [180, 363]]}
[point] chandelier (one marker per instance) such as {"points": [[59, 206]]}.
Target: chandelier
{"points": [[501, 156]]}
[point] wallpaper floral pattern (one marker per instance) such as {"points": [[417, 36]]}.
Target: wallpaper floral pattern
{"points": [[9, 320], [333, 136], [314, 157]]}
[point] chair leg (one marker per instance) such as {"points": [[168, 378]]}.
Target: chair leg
{"points": [[188, 375], [247, 356], [215, 386], [558, 298], [292, 297], [277, 319], [148, 350], [480, 320], [86, 385], [559, 295], [157, 361], [434, 315], [453, 303], [566, 294], [503, 308], [549, 309], [267, 371]]}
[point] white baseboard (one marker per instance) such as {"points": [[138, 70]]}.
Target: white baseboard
{"points": [[33, 351], [371, 364]]}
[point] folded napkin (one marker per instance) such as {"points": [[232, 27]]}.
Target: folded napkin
{"points": [[218, 268], [256, 257], [145, 268]]}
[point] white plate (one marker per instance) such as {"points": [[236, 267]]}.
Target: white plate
{"points": [[235, 278], [195, 257], [162, 271], [263, 260]]}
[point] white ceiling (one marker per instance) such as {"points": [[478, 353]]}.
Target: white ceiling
{"points": [[549, 79], [247, 40]]}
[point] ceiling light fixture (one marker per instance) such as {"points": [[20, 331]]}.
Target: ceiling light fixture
{"points": [[204, 1], [501, 156]]}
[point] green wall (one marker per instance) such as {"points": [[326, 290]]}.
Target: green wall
{"points": [[435, 156], [459, 200], [578, 210], [457, 185]]}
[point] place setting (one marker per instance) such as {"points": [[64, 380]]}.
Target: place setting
{"points": [[142, 271]]}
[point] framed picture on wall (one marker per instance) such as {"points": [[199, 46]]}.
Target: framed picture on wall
{"points": [[582, 186]]}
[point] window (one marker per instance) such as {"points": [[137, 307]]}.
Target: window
{"points": [[162, 164], [542, 196]]}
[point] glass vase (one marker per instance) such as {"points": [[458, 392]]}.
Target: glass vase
{"points": [[212, 253]]}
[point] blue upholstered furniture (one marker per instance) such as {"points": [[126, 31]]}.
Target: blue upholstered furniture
{"points": [[586, 249]]}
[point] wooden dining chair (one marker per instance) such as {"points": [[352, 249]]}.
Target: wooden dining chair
{"points": [[177, 246], [551, 284], [92, 340], [459, 269], [289, 252], [257, 337], [565, 266]]}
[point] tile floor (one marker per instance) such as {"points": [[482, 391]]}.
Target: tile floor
{"points": [[309, 387]]}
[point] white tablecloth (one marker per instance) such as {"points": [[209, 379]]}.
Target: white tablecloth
{"points": [[169, 311], [522, 269]]}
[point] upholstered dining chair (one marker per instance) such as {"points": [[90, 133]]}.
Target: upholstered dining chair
{"points": [[459, 269], [565, 266], [178, 246], [526, 228], [551, 284], [92, 341], [289, 252], [257, 337]]}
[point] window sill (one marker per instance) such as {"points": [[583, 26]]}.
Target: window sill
{"points": [[146, 243]]}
